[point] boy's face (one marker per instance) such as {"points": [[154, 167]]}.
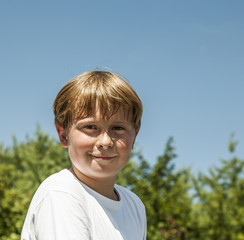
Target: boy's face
{"points": [[99, 148]]}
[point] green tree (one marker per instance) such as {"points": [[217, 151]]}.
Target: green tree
{"points": [[219, 211]]}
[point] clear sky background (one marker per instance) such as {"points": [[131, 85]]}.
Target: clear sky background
{"points": [[184, 58]]}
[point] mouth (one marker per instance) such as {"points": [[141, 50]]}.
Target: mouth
{"points": [[104, 158]]}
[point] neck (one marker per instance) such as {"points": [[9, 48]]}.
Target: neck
{"points": [[104, 187]]}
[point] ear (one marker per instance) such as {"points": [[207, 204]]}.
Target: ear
{"points": [[63, 137]]}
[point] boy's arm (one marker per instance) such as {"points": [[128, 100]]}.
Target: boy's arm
{"points": [[61, 217]]}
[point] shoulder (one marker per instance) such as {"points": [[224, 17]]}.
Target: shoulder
{"points": [[128, 196], [134, 209], [58, 210], [61, 183], [58, 198]]}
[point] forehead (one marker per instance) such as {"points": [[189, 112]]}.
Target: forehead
{"points": [[120, 115]]}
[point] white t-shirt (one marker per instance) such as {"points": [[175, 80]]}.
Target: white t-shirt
{"points": [[63, 208]]}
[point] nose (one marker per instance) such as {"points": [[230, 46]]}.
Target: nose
{"points": [[104, 141]]}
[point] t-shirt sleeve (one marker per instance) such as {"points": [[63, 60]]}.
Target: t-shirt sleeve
{"points": [[145, 225], [61, 217]]}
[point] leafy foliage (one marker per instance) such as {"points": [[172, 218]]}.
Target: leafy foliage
{"points": [[214, 211], [220, 207]]}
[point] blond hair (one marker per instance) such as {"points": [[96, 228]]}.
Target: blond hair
{"points": [[92, 91]]}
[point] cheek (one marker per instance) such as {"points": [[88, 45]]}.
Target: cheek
{"points": [[125, 144], [80, 143]]}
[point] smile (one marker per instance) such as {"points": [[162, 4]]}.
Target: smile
{"points": [[105, 158]]}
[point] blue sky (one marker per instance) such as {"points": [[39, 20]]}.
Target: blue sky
{"points": [[184, 58]]}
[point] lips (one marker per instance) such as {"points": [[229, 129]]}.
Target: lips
{"points": [[105, 158]]}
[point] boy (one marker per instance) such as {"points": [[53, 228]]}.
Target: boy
{"points": [[97, 117]]}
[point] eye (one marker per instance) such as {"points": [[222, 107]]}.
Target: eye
{"points": [[118, 128], [91, 127], [88, 128]]}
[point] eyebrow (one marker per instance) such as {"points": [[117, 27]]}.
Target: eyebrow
{"points": [[92, 120]]}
